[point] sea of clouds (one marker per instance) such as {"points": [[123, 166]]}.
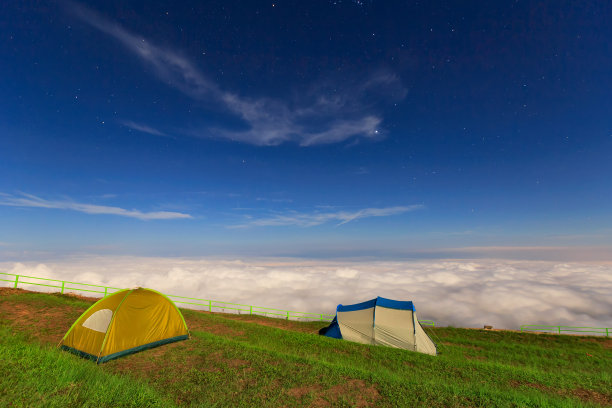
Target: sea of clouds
{"points": [[462, 293]]}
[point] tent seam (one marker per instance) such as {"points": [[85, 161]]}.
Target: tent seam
{"points": [[111, 324], [83, 314], [177, 309]]}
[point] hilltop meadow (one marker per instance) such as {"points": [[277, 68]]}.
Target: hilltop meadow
{"points": [[246, 361]]}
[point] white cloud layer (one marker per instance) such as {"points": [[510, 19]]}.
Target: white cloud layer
{"points": [[28, 200], [320, 117], [466, 293], [318, 218]]}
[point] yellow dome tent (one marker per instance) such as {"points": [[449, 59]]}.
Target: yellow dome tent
{"points": [[125, 322]]}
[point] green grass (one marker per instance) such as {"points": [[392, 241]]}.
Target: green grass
{"points": [[241, 361], [34, 375]]}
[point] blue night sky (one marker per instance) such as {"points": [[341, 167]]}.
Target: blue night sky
{"points": [[304, 128]]}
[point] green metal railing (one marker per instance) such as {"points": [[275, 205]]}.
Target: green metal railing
{"points": [[24, 280], [206, 304], [570, 329], [217, 305]]}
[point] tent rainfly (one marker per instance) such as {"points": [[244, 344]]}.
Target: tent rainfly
{"points": [[381, 321], [125, 322]]}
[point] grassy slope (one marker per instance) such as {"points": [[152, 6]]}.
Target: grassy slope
{"points": [[247, 361]]}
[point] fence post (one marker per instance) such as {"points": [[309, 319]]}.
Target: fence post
{"points": [[287, 315], [105, 291], [250, 310], [16, 279], [606, 332], [559, 329], [321, 316], [62, 291], [210, 305]]}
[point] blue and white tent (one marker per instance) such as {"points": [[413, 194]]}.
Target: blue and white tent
{"points": [[381, 321]]}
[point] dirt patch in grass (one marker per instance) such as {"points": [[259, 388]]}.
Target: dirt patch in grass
{"points": [[79, 297], [479, 358], [237, 363], [581, 393], [592, 396], [46, 324], [299, 392], [182, 356], [153, 363], [537, 386], [13, 291], [195, 324], [272, 322], [605, 342], [356, 391]]}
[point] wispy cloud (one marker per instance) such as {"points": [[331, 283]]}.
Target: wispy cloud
{"points": [[142, 128], [28, 200], [294, 218], [274, 200], [324, 115]]}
